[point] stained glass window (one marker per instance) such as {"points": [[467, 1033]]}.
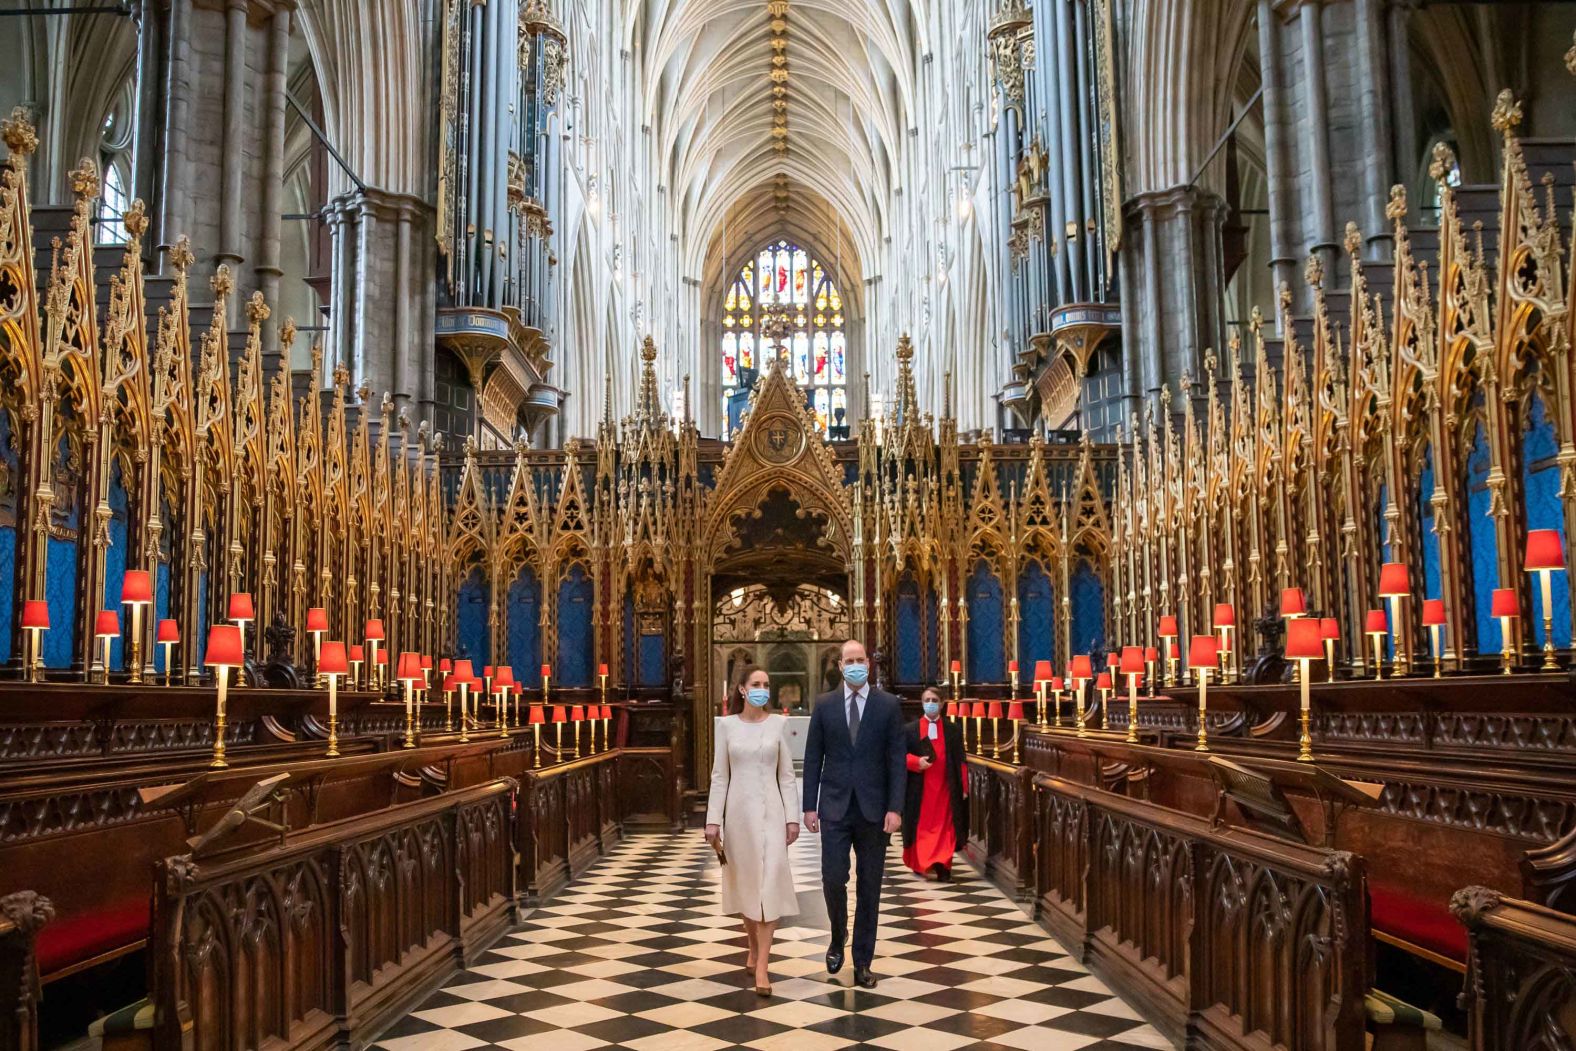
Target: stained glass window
{"points": [[783, 283]]}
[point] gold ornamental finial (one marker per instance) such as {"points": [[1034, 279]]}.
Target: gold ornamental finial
{"points": [[1395, 211], [181, 256], [648, 350], [1313, 273], [20, 137], [1354, 238], [905, 348], [256, 309], [135, 219], [222, 283], [1444, 162], [1507, 113], [84, 179], [287, 335]]}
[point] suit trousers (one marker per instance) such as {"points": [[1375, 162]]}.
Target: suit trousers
{"points": [[869, 844]]}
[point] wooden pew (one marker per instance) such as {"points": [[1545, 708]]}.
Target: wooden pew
{"points": [[324, 939], [1001, 825], [568, 818], [1224, 935], [21, 916], [1520, 990]]}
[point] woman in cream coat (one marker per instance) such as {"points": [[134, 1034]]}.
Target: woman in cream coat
{"points": [[752, 810]]}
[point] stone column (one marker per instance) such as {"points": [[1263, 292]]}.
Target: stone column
{"points": [[233, 163], [1373, 98], [1316, 131], [1283, 255], [268, 252]]}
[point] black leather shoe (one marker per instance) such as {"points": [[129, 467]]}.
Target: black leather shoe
{"points": [[834, 960], [864, 978]]}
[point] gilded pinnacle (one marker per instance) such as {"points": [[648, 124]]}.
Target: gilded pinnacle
{"points": [[1395, 211], [648, 350], [135, 219], [1444, 162], [1354, 239], [256, 309], [222, 283], [84, 179], [1507, 113], [20, 137], [1313, 273]]}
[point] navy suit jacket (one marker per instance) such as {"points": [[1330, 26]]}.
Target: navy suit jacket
{"points": [[872, 774]]}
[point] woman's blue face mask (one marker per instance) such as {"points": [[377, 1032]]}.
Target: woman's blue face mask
{"points": [[759, 696], [856, 675]]}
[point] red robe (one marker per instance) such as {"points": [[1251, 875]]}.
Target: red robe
{"points": [[935, 840]]}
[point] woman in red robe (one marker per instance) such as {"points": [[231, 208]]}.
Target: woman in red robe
{"points": [[935, 814]]}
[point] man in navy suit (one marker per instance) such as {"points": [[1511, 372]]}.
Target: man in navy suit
{"points": [[855, 782]]}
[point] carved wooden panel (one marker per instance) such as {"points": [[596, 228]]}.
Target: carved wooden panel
{"points": [[21, 916], [1520, 991]]}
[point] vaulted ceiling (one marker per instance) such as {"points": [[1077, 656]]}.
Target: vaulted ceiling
{"points": [[813, 153]]}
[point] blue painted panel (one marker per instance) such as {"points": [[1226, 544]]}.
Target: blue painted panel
{"points": [[1541, 483], [909, 664], [60, 590], [161, 606], [1036, 619], [987, 641], [574, 665], [470, 619], [1484, 547], [201, 636], [1088, 609], [525, 627], [653, 660], [933, 637], [1425, 513], [115, 562], [7, 590]]}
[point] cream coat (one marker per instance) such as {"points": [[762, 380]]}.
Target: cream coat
{"points": [[753, 797]]}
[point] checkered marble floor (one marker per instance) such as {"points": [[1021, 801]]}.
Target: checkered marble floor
{"points": [[636, 954]]}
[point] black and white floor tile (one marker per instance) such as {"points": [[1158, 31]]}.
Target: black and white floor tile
{"points": [[636, 954]]}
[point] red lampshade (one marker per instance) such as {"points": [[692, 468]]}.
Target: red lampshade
{"points": [[136, 587], [1203, 651], [374, 631], [1042, 671], [547, 671], [1015, 711], [559, 714], [993, 710], [426, 662], [224, 647], [1082, 667], [463, 672], [1175, 650], [168, 631], [1112, 659], [317, 619], [1103, 681], [1376, 623], [1151, 654], [107, 625], [1395, 580], [1544, 550], [503, 677], [241, 607], [445, 666], [382, 659], [1057, 685], [1131, 661], [35, 614], [1293, 602], [1304, 640], [577, 713], [1225, 615], [333, 660], [357, 652], [1329, 629], [537, 717], [409, 668], [1433, 612], [1012, 666], [957, 666], [487, 672], [979, 710], [952, 709], [601, 669], [1505, 603], [1168, 627]]}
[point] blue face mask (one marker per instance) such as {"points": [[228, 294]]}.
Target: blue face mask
{"points": [[932, 708], [759, 696], [856, 675]]}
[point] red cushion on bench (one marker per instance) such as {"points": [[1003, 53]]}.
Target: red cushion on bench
{"points": [[1423, 923], [71, 941]]}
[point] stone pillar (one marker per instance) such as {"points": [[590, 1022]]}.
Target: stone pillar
{"points": [[1276, 159], [1373, 99], [268, 252], [1316, 131], [235, 138], [1407, 155]]}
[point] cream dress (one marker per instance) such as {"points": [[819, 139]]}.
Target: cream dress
{"points": [[754, 796]]}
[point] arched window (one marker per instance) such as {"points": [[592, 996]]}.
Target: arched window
{"points": [[784, 289], [115, 164]]}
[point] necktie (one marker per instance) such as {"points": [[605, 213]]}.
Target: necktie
{"points": [[853, 718]]}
